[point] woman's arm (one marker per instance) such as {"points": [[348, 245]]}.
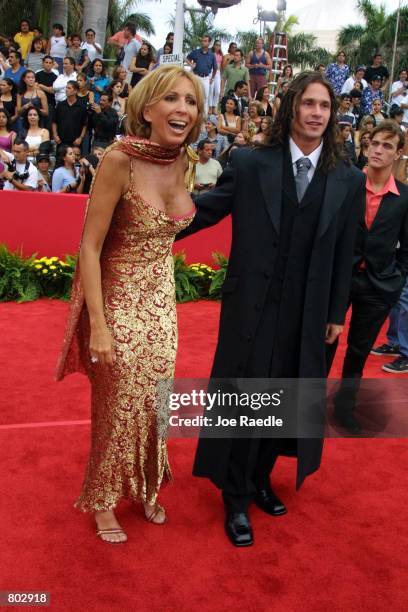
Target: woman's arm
{"points": [[109, 185], [45, 135], [132, 65], [134, 68], [220, 127], [44, 103], [19, 108], [224, 129]]}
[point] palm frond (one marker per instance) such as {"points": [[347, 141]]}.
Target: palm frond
{"points": [[350, 35]]}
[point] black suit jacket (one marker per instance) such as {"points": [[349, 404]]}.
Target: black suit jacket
{"points": [[250, 189], [386, 265]]}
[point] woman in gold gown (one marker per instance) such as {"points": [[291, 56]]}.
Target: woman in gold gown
{"points": [[122, 328]]}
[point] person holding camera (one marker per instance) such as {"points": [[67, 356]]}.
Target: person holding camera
{"points": [[105, 121], [19, 174], [68, 177], [399, 94]]}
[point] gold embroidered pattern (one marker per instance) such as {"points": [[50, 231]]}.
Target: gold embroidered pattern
{"points": [[128, 458]]}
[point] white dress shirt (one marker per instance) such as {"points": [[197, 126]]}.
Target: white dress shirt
{"points": [[296, 154], [401, 99], [60, 84]]}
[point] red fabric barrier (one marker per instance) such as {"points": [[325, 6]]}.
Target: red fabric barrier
{"points": [[51, 223]]}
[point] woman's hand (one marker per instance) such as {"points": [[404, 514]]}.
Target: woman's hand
{"points": [[101, 346]]}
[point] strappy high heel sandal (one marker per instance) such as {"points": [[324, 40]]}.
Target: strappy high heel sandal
{"points": [[153, 513], [102, 532]]}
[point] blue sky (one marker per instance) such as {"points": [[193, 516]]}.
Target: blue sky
{"points": [[241, 16]]}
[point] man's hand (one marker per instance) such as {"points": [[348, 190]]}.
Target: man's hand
{"points": [[8, 175], [333, 331], [96, 107], [57, 139], [77, 141]]}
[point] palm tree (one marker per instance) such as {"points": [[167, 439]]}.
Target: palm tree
{"points": [[95, 17], [12, 12], [59, 13], [302, 48], [303, 51], [360, 42], [197, 23], [119, 13]]}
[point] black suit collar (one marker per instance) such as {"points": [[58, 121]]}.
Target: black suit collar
{"points": [[271, 179]]}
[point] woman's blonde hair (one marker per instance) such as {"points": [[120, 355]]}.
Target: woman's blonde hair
{"points": [[256, 104], [150, 90]]}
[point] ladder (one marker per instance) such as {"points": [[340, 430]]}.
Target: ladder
{"points": [[279, 56]]}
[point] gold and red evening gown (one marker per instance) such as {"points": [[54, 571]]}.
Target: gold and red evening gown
{"points": [[128, 455]]}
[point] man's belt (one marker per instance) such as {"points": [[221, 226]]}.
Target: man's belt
{"points": [[203, 75]]}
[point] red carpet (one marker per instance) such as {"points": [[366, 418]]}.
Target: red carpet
{"points": [[342, 545]]}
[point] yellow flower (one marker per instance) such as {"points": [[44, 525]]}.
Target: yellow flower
{"points": [[45, 271], [38, 266], [53, 267], [43, 259], [54, 275], [54, 259]]}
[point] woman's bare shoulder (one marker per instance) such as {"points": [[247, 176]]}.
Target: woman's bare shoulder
{"points": [[118, 160]]}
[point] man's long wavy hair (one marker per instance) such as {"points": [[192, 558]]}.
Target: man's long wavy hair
{"points": [[281, 129]]}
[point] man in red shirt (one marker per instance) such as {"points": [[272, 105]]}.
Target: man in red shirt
{"points": [[379, 267]]}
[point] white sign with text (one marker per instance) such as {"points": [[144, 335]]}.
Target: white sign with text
{"points": [[171, 58]]}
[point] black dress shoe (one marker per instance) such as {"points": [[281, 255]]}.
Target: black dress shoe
{"points": [[238, 529], [349, 422], [269, 502]]}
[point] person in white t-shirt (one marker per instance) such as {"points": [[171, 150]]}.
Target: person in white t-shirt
{"points": [[357, 77], [60, 83], [208, 170], [131, 46], [57, 45], [399, 94], [92, 47], [19, 174]]}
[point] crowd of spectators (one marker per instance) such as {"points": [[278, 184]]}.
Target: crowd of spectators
{"points": [[61, 104]]}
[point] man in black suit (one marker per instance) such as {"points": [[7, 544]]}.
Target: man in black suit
{"points": [[294, 206], [240, 94], [379, 267]]}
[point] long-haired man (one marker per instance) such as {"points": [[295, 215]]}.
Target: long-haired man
{"points": [[294, 204]]}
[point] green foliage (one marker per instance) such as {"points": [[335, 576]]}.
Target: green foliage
{"points": [[196, 25], [377, 35], [218, 276], [192, 281], [119, 13], [246, 40], [303, 51], [302, 48], [24, 279], [18, 281], [11, 13]]}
